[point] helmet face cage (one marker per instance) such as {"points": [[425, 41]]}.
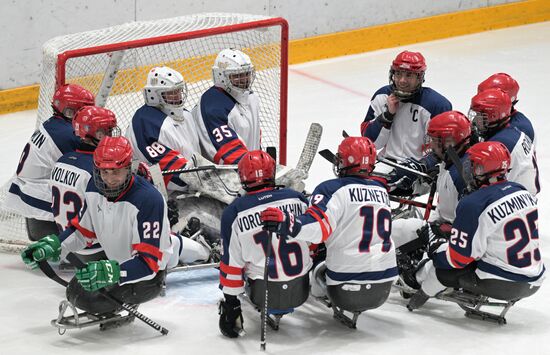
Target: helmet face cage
{"points": [[233, 71], [165, 88], [440, 144], [407, 64], [113, 154], [480, 121], [115, 191]]}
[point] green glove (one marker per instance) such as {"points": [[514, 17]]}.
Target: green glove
{"points": [[98, 274], [47, 248]]}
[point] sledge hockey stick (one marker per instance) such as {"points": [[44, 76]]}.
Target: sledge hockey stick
{"points": [[199, 168], [429, 204], [411, 202], [467, 180], [263, 319], [75, 260], [310, 147]]}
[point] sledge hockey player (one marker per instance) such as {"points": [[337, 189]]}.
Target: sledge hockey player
{"points": [[351, 215], [245, 245], [29, 194], [162, 130], [227, 115], [399, 113], [493, 249], [72, 172], [490, 113], [127, 216], [510, 86]]}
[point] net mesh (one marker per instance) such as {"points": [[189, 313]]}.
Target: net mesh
{"points": [[114, 63]]}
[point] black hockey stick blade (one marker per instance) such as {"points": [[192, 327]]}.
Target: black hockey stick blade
{"points": [[345, 134], [75, 260], [328, 155], [272, 151]]}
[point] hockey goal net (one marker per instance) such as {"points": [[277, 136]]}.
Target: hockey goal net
{"points": [[113, 63]]}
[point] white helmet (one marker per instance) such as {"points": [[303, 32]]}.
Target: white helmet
{"points": [[234, 72], [166, 90]]}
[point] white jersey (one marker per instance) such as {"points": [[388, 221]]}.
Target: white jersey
{"points": [[68, 182], [245, 242], [497, 226], [158, 138], [352, 216], [227, 128], [133, 230], [407, 136], [29, 193]]}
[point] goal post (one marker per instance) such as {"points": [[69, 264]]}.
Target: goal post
{"points": [[113, 63]]}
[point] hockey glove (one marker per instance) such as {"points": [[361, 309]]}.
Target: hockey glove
{"points": [[434, 234], [231, 317], [386, 119], [98, 274], [47, 248], [143, 171], [277, 221], [173, 213]]}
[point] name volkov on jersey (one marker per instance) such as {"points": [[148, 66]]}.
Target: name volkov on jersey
{"points": [[253, 221], [64, 176]]}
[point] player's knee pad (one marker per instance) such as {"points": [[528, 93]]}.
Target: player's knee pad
{"points": [[283, 295], [359, 297]]}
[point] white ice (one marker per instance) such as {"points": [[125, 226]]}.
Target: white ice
{"points": [[336, 94]]}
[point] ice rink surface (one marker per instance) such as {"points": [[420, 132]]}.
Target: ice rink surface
{"points": [[335, 93]]}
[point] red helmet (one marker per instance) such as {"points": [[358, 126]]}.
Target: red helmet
{"points": [[449, 129], [409, 61], [90, 119], [113, 153], [503, 82], [356, 156], [490, 109], [69, 98], [489, 160], [256, 169]]}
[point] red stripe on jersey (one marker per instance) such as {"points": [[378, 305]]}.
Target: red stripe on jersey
{"points": [[459, 261], [323, 227], [171, 155], [149, 249], [178, 164], [323, 214], [231, 283], [153, 265], [364, 126], [380, 179], [227, 147], [232, 270], [85, 232]]}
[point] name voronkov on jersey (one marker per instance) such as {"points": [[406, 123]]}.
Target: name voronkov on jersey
{"points": [[365, 194], [64, 176], [510, 206], [252, 221]]}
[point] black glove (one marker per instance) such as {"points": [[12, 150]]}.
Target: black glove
{"points": [[173, 214], [231, 317], [386, 119], [434, 234]]}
